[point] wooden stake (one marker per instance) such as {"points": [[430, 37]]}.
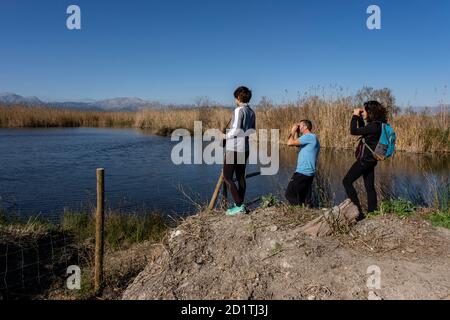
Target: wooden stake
{"points": [[99, 228], [212, 203]]}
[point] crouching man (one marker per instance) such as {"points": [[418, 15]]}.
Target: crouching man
{"points": [[299, 189]]}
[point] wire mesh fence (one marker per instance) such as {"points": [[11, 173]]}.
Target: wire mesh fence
{"points": [[40, 256], [36, 254], [34, 259]]}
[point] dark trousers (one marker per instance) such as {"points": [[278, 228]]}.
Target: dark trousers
{"points": [[298, 191], [235, 164], [367, 170]]}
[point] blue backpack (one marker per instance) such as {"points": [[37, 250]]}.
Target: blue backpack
{"points": [[386, 145]]}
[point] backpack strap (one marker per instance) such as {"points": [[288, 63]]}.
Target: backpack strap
{"points": [[364, 141]]}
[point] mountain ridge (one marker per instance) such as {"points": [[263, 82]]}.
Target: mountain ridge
{"points": [[111, 104]]}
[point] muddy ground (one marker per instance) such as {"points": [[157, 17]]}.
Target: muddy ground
{"points": [[263, 255]]}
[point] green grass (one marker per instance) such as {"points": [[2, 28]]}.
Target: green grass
{"points": [[400, 207], [441, 215], [440, 219], [121, 230], [29, 225], [442, 198], [268, 201]]}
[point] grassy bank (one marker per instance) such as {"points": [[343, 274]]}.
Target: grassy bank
{"points": [[34, 253], [121, 229], [439, 217]]}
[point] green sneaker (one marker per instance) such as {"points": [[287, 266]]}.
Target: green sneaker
{"points": [[236, 210]]}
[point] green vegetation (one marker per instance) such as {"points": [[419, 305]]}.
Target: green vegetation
{"points": [[440, 219], [121, 230], [268, 201], [441, 215], [72, 239], [400, 207], [442, 198], [31, 225]]}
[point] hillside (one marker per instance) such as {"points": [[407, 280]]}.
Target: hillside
{"points": [[264, 256], [113, 104]]}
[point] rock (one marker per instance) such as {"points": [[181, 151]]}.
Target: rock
{"points": [[175, 234], [341, 215]]}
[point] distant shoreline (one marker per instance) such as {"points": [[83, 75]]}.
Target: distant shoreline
{"points": [[417, 132]]}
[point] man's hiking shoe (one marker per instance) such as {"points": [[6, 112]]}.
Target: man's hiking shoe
{"points": [[236, 210]]}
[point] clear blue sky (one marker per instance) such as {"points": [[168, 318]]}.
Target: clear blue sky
{"points": [[175, 51]]}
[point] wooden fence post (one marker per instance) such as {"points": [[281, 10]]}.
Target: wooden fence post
{"points": [[99, 228]]}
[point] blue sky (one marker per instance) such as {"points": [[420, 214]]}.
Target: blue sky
{"points": [[175, 51]]}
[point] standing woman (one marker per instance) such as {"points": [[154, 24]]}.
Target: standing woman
{"points": [[366, 123]]}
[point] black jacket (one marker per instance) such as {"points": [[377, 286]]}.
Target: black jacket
{"points": [[370, 132]]}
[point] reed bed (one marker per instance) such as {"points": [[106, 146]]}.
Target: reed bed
{"points": [[417, 132], [43, 117]]}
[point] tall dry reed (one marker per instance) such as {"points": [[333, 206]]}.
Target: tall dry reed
{"points": [[417, 132], [34, 117]]}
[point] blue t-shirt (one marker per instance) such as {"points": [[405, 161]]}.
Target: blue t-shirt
{"points": [[307, 157]]}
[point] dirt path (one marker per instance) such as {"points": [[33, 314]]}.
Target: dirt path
{"points": [[264, 256]]}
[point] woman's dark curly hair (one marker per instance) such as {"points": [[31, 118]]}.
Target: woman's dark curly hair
{"points": [[375, 111]]}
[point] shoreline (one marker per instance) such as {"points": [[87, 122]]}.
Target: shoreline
{"points": [[418, 133]]}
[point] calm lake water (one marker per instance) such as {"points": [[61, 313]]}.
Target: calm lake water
{"points": [[43, 171]]}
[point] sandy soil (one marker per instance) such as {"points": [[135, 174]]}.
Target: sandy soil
{"points": [[263, 255]]}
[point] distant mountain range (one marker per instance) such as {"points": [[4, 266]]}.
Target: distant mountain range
{"points": [[116, 104], [128, 104], [432, 110], [12, 98]]}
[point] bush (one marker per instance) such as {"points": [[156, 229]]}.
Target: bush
{"points": [[269, 201], [400, 207], [440, 219]]}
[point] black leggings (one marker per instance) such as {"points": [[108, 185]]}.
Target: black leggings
{"points": [[235, 163], [367, 170]]}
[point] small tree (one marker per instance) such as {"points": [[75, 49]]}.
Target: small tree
{"points": [[383, 96], [265, 103]]}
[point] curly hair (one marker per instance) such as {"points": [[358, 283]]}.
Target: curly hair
{"points": [[243, 94], [375, 111]]}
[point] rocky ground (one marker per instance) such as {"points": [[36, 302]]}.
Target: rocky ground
{"points": [[264, 255]]}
